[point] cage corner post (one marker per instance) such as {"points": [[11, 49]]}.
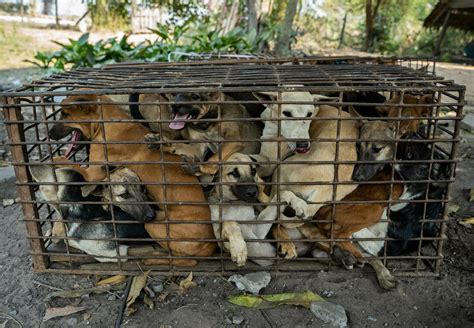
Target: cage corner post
{"points": [[19, 154]]}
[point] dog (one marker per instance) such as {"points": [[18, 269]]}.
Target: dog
{"points": [[250, 191], [126, 189], [297, 131], [303, 201], [405, 221], [372, 148], [78, 108], [194, 120], [81, 229], [360, 220]]}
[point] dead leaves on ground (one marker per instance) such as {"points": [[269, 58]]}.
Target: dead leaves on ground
{"points": [[187, 283], [56, 312]]}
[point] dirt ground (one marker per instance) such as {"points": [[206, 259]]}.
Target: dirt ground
{"points": [[444, 301]]}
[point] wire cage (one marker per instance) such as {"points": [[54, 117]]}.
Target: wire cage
{"points": [[305, 157]]}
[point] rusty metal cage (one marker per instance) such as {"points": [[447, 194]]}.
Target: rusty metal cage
{"points": [[219, 87]]}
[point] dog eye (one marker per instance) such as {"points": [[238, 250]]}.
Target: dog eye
{"points": [[253, 171], [235, 174], [309, 114], [125, 195], [195, 96], [287, 113], [64, 114], [376, 149]]}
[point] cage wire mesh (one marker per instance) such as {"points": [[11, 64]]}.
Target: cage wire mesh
{"points": [[360, 156]]}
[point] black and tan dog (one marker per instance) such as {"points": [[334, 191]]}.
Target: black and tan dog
{"points": [[82, 232], [125, 144], [195, 117]]}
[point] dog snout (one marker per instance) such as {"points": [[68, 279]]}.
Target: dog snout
{"points": [[302, 146], [150, 214], [289, 212], [59, 131], [247, 193], [365, 172]]}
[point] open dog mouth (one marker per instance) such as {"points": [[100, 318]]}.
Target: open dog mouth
{"points": [[179, 120], [73, 146], [302, 150]]}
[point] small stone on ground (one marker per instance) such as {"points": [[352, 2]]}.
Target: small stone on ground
{"points": [[251, 282], [330, 313]]}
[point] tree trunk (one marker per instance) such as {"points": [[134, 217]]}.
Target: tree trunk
{"points": [[251, 15], [370, 14], [282, 47]]}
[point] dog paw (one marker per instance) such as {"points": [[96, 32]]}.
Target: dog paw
{"points": [[295, 206], [344, 257], [288, 250], [238, 252], [189, 165], [386, 280], [209, 169], [154, 140]]}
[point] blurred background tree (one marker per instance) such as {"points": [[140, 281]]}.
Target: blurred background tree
{"points": [[276, 27]]}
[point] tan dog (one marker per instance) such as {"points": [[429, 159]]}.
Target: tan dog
{"points": [[203, 128], [249, 190], [303, 201], [137, 152]]}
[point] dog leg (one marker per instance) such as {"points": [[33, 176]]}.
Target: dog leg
{"points": [[343, 256], [385, 278], [257, 249], [59, 230], [227, 150], [311, 231], [285, 248], [167, 261], [237, 246]]}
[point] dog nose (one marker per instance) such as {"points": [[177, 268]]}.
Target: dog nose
{"points": [[289, 212], [302, 144], [150, 214], [251, 192]]}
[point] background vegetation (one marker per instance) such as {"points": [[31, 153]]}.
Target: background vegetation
{"points": [[278, 27]]}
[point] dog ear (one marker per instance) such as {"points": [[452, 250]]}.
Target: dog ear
{"points": [[258, 159], [91, 189], [266, 96], [354, 113], [426, 99], [42, 173], [75, 102]]}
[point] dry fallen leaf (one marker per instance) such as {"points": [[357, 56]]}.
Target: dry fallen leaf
{"points": [[138, 283], [61, 312], [471, 195], [469, 220], [114, 280], [187, 283], [86, 316], [149, 302]]}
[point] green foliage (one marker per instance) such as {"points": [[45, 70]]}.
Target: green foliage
{"points": [[172, 43]]}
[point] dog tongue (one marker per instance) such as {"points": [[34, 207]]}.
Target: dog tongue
{"points": [[179, 120], [76, 135]]}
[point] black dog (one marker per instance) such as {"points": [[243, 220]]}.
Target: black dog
{"points": [[405, 218]]}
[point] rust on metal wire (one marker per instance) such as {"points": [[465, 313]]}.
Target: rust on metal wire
{"points": [[30, 111]]}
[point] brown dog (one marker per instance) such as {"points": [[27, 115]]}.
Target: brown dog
{"points": [[73, 110], [210, 132]]}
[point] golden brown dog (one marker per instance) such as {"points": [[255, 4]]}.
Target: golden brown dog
{"points": [[73, 110]]}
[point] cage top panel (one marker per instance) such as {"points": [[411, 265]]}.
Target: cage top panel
{"points": [[152, 78]]}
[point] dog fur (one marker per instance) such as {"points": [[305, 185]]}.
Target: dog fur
{"points": [[239, 195], [73, 110], [203, 129], [81, 229], [303, 201], [295, 130]]}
